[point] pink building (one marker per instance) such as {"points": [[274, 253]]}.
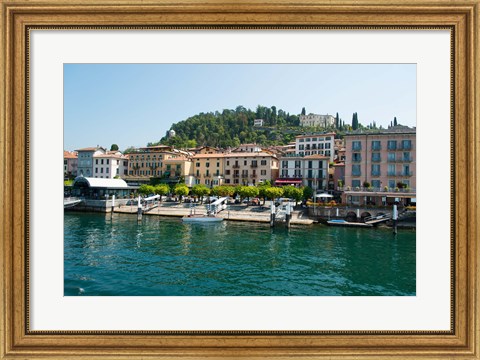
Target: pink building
{"points": [[381, 159]]}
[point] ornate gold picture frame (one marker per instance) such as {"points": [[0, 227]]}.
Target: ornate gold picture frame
{"points": [[18, 341]]}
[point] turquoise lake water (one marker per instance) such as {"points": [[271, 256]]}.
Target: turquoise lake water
{"points": [[164, 257]]}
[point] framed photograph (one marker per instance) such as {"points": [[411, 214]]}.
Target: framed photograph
{"points": [[82, 285]]}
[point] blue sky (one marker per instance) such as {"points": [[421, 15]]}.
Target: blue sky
{"points": [[133, 104]]}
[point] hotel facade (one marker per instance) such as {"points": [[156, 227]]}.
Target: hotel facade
{"points": [[383, 159]]}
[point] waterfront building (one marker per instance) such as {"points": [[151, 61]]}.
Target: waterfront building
{"points": [[338, 176], [176, 167], [384, 159], [208, 169], [300, 170], [250, 168], [85, 159], [315, 144], [148, 162], [317, 120], [70, 164], [110, 165]]}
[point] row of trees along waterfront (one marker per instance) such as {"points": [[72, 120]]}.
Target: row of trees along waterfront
{"points": [[264, 191]]}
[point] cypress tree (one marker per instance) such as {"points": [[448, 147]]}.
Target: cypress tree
{"points": [[303, 111], [395, 121]]}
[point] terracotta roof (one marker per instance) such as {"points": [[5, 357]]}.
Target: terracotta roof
{"points": [[203, 156], [70, 155], [175, 159], [250, 154], [316, 156], [114, 156]]}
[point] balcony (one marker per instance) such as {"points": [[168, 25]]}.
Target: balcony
{"points": [[236, 175], [375, 173], [376, 160], [254, 166], [405, 147], [357, 160], [406, 160], [390, 160], [253, 176], [236, 166], [207, 175], [405, 173]]}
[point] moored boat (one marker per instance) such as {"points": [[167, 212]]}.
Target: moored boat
{"points": [[347, 223]]}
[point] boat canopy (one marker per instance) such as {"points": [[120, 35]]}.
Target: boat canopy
{"points": [[154, 197]]}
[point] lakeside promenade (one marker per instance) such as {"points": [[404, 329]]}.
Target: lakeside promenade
{"points": [[232, 213]]}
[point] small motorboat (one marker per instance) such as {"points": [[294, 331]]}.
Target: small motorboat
{"points": [[347, 223]]}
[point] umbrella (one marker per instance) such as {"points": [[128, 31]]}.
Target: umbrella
{"points": [[324, 195]]}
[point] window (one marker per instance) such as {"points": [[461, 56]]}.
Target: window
{"points": [[376, 184], [308, 139], [376, 145], [356, 157], [197, 164], [198, 173], [375, 169], [321, 145], [218, 164], [101, 170], [392, 145], [96, 170], [391, 157], [101, 161], [108, 161], [227, 172], [328, 138], [207, 164], [406, 156], [228, 163], [301, 147], [263, 172], [244, 162], [356, 170], [376, 157], [263, 162], [406, 144], [355, 183], [106, 170], [96, 161], [391, 170], [327, 146], [297, 164], [391, 184], [356, 145], [301, 140]]}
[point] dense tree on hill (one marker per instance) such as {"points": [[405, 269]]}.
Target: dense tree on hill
{"points": [[230, 128]]}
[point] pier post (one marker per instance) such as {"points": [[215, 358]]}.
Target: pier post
{"points": [[113, 206], [139, 210], [288, 216], [272, 214], [395, 218]]}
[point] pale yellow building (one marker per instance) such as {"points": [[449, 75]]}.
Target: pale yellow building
{"points": [[208, 169], [250, 168]]}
